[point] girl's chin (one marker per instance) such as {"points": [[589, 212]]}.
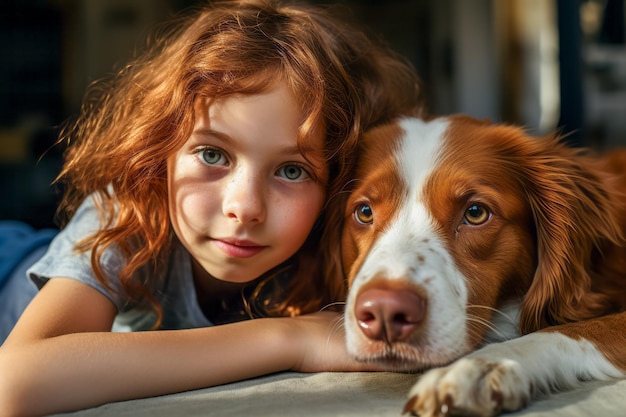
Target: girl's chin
{"points": [[220, 275]]}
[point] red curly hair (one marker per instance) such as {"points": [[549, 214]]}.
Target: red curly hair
{"points": [[130, 124]]}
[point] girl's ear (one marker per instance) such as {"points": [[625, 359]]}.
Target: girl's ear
{"points": [[574, 215]]}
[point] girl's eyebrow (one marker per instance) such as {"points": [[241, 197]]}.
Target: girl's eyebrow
{"points": [[286, 151], [210, 132]]}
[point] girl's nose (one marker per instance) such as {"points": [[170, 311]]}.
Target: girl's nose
{"points": [[243, 198]]}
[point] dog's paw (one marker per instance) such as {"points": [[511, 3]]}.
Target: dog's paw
{"points": [[470, 387]]}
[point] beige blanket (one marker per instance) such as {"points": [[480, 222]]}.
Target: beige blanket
{"points": [[342, 394]]}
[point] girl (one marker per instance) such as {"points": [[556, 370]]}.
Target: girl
{"points": [[195, 191]]}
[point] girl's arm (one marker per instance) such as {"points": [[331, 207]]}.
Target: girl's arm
{"points": [[61, 355]]}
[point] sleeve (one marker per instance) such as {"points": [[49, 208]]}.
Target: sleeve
{"points": [[62, 260]]}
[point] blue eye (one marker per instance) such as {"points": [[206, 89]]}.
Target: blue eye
{"points": [[293, 172], [211, 156]]}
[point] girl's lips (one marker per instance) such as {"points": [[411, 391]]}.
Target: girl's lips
{"points": [[238, 249]]}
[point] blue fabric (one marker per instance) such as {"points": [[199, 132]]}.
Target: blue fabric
{"points": [[20, 247], [17, 241], [17, 293]]}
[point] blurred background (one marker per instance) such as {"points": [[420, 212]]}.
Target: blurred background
{"points": [[546, 64]]}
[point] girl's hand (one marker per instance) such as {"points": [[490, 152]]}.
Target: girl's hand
{"points": [[321, 346]]}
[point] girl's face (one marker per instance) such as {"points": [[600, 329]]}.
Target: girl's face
{"points": [[242, 196]]}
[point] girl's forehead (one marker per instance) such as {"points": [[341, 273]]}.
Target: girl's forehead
{"points": [[274, 107], [258, 83], [264, 93]]}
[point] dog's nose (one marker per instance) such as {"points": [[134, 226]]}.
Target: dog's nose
{"points": [[389, 315]]}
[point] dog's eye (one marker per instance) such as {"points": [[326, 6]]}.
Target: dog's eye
{"points": [[476, 215], [363, 214]]}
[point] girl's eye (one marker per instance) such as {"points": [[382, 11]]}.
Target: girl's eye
{"points": [[364, 214], [293, 172], [211, 156], [476, 215]]}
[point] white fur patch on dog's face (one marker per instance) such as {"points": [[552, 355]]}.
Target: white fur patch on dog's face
{"points": [[408, 247]]}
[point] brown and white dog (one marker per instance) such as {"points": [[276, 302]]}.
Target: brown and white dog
{"points": [[495, 257]]}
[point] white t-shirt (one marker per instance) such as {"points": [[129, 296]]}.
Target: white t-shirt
{"points": [[172, 285]]}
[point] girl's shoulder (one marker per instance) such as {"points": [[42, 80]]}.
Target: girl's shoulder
{"points": [[171, 283]]}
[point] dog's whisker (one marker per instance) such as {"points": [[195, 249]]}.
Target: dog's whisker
{"points": [[473, 329], [335, 328], [474, 323], [330, 305], [501, 313]]}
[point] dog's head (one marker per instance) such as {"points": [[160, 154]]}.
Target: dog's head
{"points": [[451, 218]]}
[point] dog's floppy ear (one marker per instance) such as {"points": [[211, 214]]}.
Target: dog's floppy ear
{"points": [[573, 215]]}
